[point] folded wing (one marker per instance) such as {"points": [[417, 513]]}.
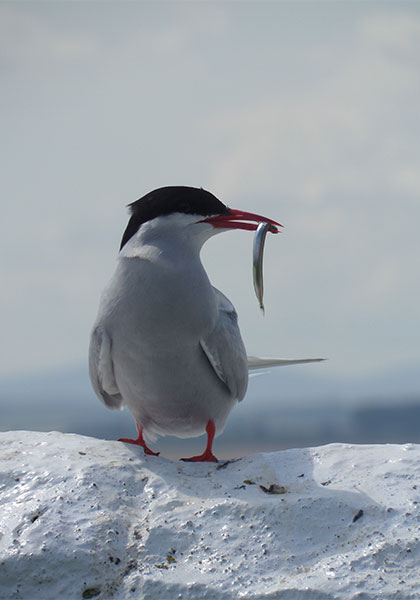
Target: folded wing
{"points": [[101, 369], [225, 350]]}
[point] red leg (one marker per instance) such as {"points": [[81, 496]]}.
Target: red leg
{"points": [[140, 442], [207, 455]]}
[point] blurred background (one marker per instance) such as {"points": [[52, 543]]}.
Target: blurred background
{"points": [[306, 112]]}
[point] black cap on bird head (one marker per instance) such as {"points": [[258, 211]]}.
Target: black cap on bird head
{"points": [[168, 200]]}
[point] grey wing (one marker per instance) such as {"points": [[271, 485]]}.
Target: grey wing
{"points": [[225, 349], [101, 368]]}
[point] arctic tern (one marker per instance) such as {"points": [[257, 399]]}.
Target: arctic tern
{"points": [[166, 343]]}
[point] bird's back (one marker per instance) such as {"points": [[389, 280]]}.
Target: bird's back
{"points": [[156, 310]]}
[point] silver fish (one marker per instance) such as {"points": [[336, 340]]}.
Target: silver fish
{"points": [[257, 264]]}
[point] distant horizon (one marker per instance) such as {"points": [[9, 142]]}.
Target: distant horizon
{"points": [[318, 371], [289, 407]]}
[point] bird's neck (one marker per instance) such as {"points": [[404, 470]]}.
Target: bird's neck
{"points": [[170, 237], [169, 282], [168, 246], [166, 251]]}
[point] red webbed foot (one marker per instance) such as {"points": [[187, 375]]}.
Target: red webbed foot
{"points": [[140, 442], [207, 455]]}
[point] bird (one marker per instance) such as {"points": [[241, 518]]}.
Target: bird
{"points": [[166, 343]]}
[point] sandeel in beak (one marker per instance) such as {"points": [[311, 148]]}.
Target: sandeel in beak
{"points": [[257, 259]]}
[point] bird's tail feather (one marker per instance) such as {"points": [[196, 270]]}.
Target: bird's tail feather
{"points": [[261, 363]]}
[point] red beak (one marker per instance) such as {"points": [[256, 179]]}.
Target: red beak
{"points": [[236, 219]]}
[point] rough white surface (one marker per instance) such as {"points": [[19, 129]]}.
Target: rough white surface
{"points": [[85, 518]]}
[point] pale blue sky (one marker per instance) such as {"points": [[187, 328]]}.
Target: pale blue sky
{"points": [[307, 112]]}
